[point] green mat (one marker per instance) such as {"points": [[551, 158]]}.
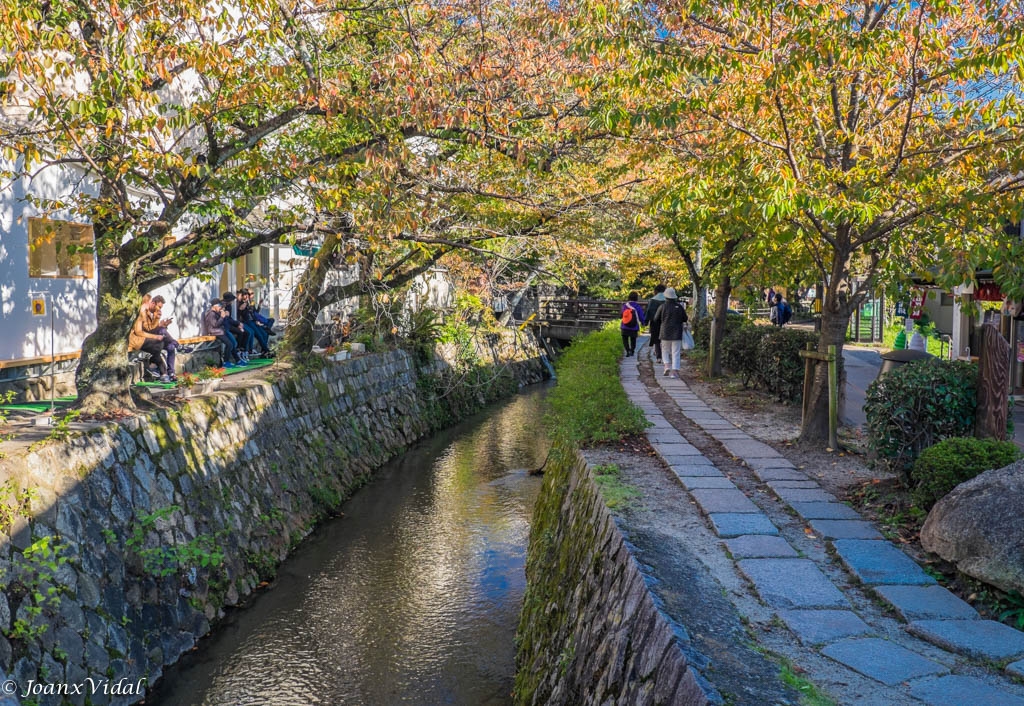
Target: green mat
{"points": [[252, 365], [157, 384], [38, 407]]}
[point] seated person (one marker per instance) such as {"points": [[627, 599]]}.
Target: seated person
{"points": [[171, 344], [267, 323], [214, 325], [143, 337], [244, 337], [246, 315]]}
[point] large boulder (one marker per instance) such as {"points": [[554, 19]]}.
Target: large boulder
{"points": [[979, 527]]}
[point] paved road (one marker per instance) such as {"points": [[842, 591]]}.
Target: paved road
{"points": [[862, 366]]}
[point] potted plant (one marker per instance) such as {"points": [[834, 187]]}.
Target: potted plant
{"points": [[207, 380]]}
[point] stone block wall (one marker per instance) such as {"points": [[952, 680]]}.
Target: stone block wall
{"points": [[590, 632], [135, 536]]}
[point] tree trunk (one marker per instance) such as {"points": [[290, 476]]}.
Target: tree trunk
{"points": [[722, 293], [993, 385], [306, 303], [103, 376]]}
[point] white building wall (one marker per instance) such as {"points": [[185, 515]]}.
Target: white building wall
{"points": [[24, 335]]}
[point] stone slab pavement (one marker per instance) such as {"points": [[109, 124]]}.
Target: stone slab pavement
{"points": [[815, 610], [737, 524], [925, 602], [882, 660], [792, 583]]}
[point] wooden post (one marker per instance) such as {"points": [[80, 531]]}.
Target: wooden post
{"points": [[993, 384], [833, 398], [810, 356]]}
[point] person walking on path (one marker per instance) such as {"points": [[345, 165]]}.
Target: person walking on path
{"points": [[671, 317], [781, 312], [653, 305], [632, 319]]}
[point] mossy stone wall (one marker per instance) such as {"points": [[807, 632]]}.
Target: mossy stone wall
{"points": [[140, 533], [590, 632]]}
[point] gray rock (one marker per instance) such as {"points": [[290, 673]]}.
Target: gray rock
{"points": [[96, 657], [24, 670], [979, 527], [72, 615], [71, 644], [5, 613], [51, 670], [88, 590]]}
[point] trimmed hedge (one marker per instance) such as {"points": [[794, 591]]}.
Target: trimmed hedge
{"points": [[947, 464], [917, 405], [765, 357]]}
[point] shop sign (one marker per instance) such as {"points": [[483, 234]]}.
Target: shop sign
{"points": [[988, 292]]}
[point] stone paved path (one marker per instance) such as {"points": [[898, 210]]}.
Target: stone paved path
{"points": [[975, 656]]}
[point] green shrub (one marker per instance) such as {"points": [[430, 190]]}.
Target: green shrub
{"points": [[702, 329], [917, 405], [764, 357], [947, 464], [588, 405], [780, 369]]}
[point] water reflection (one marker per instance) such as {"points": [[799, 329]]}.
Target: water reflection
{"points": [[412, 597]]}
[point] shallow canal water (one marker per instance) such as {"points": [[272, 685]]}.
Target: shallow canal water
{"points": [[412, 596]]}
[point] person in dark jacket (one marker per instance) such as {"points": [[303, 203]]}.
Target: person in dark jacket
{"points": [[671, 317], [631, 328], [653, 305], [242, 335], [213, 325]]}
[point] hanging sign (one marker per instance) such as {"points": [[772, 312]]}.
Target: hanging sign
{"points": [[39, 306], [917, 303], [988, 292], [901, 308]]}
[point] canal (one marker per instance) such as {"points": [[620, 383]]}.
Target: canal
{"points": [[412, 596]]}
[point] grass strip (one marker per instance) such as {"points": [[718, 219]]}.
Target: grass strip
{"points": [[588, 405]]}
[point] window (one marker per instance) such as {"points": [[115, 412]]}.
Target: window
{"points": [[59, 249]]}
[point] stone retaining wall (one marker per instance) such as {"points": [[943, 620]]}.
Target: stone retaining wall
{"points": [[590, 632], [140, 533]]}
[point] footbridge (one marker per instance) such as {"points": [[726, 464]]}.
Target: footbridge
{"points": [[563, 319]]}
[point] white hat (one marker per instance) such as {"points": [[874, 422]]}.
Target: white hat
{"points": [[670, 293]]}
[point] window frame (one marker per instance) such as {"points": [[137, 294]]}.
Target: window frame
{"points": [[63, 235]]}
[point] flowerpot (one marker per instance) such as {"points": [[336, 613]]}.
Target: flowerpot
{"points": [[202, 387], [340, 356], [357, 348]]}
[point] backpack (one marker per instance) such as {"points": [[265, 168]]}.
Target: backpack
{"points": [[628, 316], [787, 312]]}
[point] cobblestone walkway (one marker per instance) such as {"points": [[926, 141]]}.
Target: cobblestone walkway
{"points": [[942, 652]]}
